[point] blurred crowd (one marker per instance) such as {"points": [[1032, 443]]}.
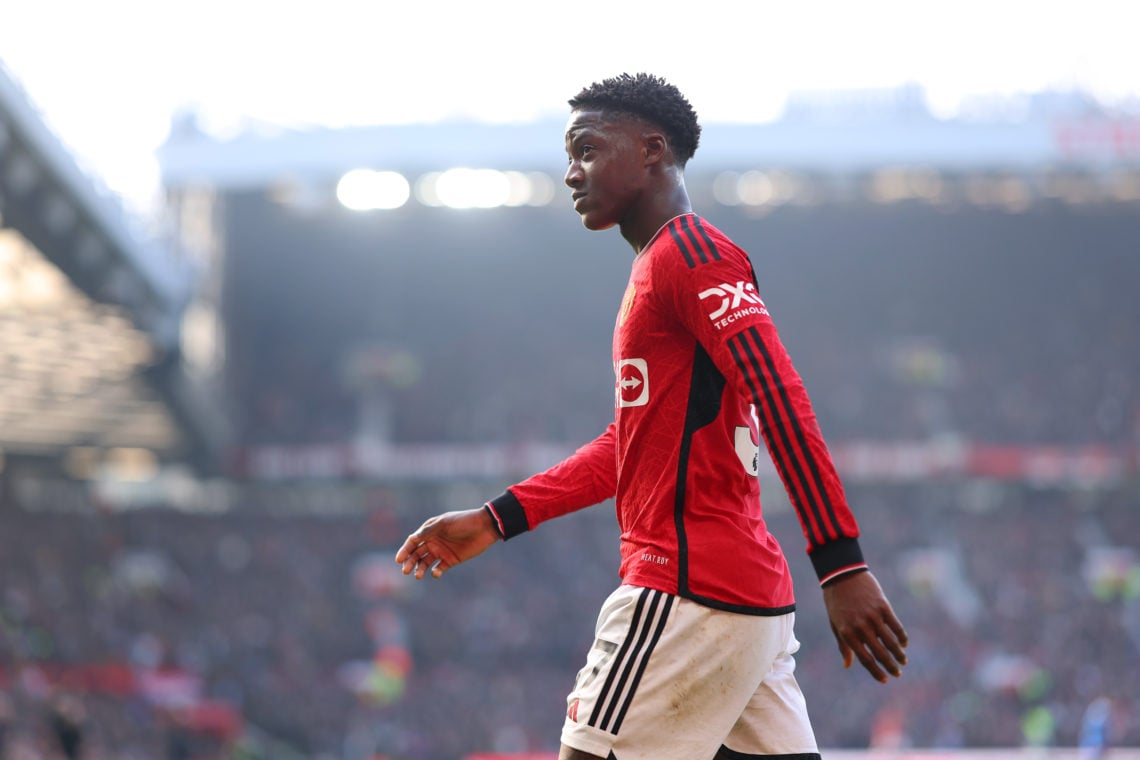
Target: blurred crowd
{"points": [[178, 613], [1022, 605]]}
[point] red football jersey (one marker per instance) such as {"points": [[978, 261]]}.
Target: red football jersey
{"points": [[700, 376]]}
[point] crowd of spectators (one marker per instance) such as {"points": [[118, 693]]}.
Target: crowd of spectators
{"points": [[251, 612], [1023, 608]]}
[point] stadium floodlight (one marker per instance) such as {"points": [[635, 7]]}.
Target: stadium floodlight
{"points": [[473, 188], [725, 188], [484, 188], [529, 189], [542, 189], [425, 189], [520, 189], [370, 190], [755, 188]]}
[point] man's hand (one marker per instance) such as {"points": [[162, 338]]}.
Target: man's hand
{"points": [[865, 626], [444, 541]]}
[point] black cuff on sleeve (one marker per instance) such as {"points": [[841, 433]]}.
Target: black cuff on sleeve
{"points": [[836, 558], [512, 517]]}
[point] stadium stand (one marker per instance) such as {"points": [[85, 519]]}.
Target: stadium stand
{"points": [[91, 311]]}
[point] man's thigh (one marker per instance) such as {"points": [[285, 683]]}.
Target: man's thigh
{"points": [[775, 723]]}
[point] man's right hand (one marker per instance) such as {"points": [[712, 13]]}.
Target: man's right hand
{"points": [[444, 541]]}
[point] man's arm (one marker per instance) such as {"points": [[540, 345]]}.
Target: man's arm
{"points": [[762, 371], [862, 620], [586, 477]]}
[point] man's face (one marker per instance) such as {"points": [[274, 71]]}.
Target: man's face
{"points": [[607, 170]]}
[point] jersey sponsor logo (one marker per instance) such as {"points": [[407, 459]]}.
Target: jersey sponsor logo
{"points": [[736, 301], [631, 387]]}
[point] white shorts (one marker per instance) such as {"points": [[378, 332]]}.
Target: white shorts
{"points": [[670, 679]]}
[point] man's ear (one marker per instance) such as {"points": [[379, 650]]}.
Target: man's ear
{"points": [[656, 147]]}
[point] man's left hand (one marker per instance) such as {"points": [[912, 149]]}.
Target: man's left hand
{"points": [[865, 626]]}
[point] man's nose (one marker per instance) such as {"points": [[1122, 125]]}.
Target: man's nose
{"points": [[573, 176]]}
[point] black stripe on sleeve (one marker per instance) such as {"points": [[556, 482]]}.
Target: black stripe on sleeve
{"points": [[682, 244], [684, 221], [766, 409], [801, 439], [705, 236]]}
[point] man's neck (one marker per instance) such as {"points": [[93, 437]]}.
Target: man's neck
{"points": [[660, 210]]}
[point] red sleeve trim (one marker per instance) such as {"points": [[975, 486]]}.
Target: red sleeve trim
{"points": [[495, 518], [841, 572]]}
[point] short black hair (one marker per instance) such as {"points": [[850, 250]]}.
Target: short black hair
{"points": [[651, 98]]}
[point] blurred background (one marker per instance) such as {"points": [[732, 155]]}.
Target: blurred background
{"points": [[278, 283]]}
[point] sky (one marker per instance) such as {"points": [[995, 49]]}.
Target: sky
{"points": [[108, 76]]}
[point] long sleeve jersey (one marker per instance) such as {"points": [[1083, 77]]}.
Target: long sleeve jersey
{"points": [[700, 377]]}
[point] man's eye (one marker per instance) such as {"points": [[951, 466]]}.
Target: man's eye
{"points": [[579, 153]]}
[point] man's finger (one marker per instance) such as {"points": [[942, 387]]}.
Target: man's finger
{"points": [[894, 643], [897, 627], [845, 652], [408, 565], [869, 663], [874, 640], [405, 550], [409, 547], [884, 657], [866, 658]]}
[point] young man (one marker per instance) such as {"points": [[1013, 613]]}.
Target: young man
{"points": [[693, 652]]}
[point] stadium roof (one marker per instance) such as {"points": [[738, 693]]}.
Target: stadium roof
{"points": [[828, 133]]}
